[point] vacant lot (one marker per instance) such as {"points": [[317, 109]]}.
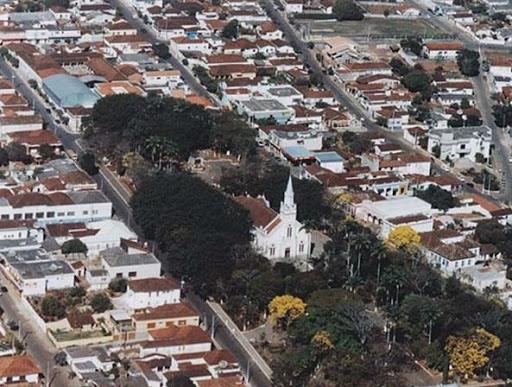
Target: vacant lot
{"points": [[377, 28]]}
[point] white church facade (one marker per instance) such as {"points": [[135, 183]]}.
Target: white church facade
{"points": [[278, 235]]}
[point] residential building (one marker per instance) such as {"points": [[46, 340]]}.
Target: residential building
{"points": [[463, 142], [151, 292]]}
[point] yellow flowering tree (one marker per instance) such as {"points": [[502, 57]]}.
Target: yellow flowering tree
{"points": [[467, 354], [322, 340], [286, 308], [403, 236]]}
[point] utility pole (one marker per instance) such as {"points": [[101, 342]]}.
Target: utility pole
{"points": [[213, 327], [430, 332]]}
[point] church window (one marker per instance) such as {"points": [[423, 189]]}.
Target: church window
{"points": [[272, 251], [301, 247], [289, 232]]}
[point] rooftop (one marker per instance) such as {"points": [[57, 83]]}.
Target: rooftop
{"points": [[116, 256]]}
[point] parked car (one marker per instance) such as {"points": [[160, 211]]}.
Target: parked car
{"points": [[61, 358]]}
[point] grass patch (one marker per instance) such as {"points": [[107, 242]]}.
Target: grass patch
{"points": [[379, 28]]}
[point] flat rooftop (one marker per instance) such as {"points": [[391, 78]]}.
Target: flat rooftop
{"points": [[263, 105], [32, 270], [116, 256], [284, 91]]}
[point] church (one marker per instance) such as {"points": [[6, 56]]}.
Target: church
{"points": [[278, 235]]}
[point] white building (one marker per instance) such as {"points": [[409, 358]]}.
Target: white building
{"points": [[464, 142], [33, 272], [122, 263], [397, 211], [151, 292], [442, 50], [278, 235], [56, 207]]}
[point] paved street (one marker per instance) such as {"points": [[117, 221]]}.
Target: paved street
{"points": [[35, 340], [120, 200], [130, 15]]}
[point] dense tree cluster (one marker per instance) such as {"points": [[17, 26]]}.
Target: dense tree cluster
{"points": [[122, 123], [196, 227], [469, 62], [347, 10], [412, 43], [338, 341], [415, 79], [439, 198], [502, 115], [255, 179]]}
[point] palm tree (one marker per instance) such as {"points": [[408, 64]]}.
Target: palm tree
{"points": [[168, 149], [153, 144], [361, 242], [379, 252]]}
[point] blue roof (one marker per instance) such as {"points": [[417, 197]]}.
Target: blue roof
{"points": [[69, 91], [328, 157], [297, 152]]}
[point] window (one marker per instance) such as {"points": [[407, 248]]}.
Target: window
{"points": [[86, 212], [182, 322], [71, 213], [272, 251], [119, 275], [287, 252], [5, 217], [39, 215], [50, 214], [151, 325], [29, 216], [132, 274], [301, 247], [17, 216], [289, 232], [95, 212], [59, 214]]}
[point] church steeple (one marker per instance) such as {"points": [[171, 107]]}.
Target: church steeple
{"points": [[288, 206]]}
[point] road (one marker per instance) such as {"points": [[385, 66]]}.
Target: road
{"points": [[35, 340], [130, 14], [501, 150], [120, 200]]}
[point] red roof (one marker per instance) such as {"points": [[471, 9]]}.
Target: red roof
{"points": [[261, 215]]}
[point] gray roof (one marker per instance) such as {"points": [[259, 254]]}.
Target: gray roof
{"points": [[88, 197], [325, 157], [31, 270], [264, 105], [70, 91], [32, 17], [464, 132], [116, 256]]}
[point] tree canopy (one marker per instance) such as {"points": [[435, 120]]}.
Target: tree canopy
{"points": [[121, 124], [347, 10], [194, 224], [439, 198], [74, 246], [469, 62]]}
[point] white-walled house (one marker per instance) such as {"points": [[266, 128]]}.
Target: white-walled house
{"points": [[464, 142], [122, 263], [151, 292], [174, 340], [278, 235]]}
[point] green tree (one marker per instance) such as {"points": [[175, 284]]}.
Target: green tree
{"points": [[347, 10], [502, 115], [4, 157], [438, 197], [231, 133], [230, 30], [17, 152], [417, 81], [52, 308], [46, 151], [180, 380], [194, 224], [413, 43], [87, 162], [469, 62], [162, 50], [100, 302], [118, 285], [74, 246], [436, 151]]}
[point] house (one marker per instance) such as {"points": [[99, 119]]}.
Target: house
{"points": [[293, 6], [179, 314], [266, 109], [121, 262], [34, 272], [330, 160], [152, 292], [177, 340], [278, 235], [19, 370], [396, 211], [463, 142], [442, 50]]}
